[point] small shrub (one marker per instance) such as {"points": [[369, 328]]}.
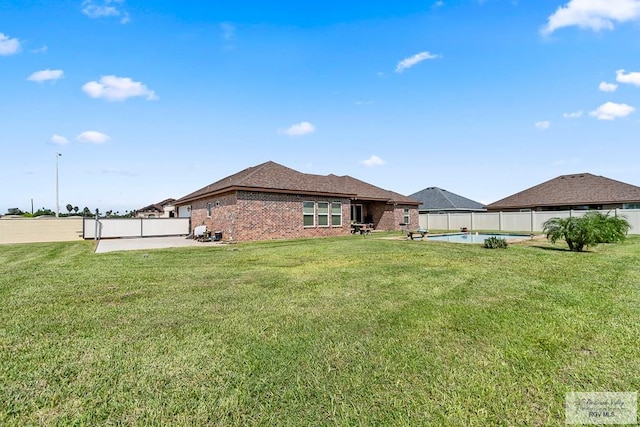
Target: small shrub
{"points": [[494, 242]]}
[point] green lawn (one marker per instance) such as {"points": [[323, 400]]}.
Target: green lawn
{"points": [[340, 331]]}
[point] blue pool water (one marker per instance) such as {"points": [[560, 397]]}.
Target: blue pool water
{"points": [[473, 237]]}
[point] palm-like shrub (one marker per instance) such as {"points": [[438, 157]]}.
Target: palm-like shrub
{"points": [[588, 230], [611, 229]]}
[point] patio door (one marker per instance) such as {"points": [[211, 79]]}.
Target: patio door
{"points": [[356, 213]]}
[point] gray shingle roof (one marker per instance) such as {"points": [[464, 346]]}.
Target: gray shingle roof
{"points": [[273, 177], [437, 199], [572, 190]]}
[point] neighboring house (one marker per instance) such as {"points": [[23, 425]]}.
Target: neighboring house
{"points": [[271, 201], [579, 191], [163, 209], [437, 200]]}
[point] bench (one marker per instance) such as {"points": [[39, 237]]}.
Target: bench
{"points": [[421, 233]]}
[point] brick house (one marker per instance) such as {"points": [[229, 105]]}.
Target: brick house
{"points": [[577, 191], [271, 201], [163, 209]]}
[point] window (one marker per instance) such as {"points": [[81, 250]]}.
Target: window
{"points": [[631, 206], [336, 214], [406, 218], [208, 209], [308, 214], [323, 214]]}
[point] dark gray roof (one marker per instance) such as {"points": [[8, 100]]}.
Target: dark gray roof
{"points": [[437, 199]]}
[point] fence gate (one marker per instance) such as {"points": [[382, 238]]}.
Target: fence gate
{"points": [[108, 228]]}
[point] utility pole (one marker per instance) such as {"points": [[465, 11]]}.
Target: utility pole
{"points": [[57, 189]]}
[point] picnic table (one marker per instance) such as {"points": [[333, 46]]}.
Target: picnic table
{"points": [[361, 228], [420, 232]]}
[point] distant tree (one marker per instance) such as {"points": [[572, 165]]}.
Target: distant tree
{"points": [[44, 211], [588, 230], [69, 208], [76, 209], [86, 211]]}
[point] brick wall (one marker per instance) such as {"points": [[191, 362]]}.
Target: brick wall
{"points": [[264, 216], [246, 216], [223, 214], [389, 216]]}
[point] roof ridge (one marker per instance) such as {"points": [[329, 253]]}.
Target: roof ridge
{"points": [[442, 191], [252, 170], [274, 176]]}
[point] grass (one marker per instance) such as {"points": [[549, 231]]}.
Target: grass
{"points": [[338, 331]]}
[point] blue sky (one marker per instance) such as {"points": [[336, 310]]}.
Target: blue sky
{"points": [[151, 100]]}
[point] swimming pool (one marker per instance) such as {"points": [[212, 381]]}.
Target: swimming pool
{"points": [[473, 237]]}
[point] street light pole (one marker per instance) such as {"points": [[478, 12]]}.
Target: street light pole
{"points": [[57, 192]]}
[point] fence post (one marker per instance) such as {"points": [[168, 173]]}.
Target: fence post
{"points": [[141, 227], [472, 227], [97, 226], [448, 221], [500, 221], [532, 216]]}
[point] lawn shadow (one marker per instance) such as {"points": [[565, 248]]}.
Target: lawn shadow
{"points": [[555, 248], [551, 248]]}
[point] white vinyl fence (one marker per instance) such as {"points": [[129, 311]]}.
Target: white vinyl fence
{"points": [[107, 228], [513, 221]]}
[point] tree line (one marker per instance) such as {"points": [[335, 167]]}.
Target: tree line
{"points": [[71, 211]]}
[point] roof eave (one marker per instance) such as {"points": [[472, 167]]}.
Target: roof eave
{"points": [[234, 188]]}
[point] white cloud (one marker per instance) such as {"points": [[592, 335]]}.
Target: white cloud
{"points": [[300, 129], [105, 9], [373, 161], [8, 46], [42, 49], [607, 87], [44, 75], [593, 14], [363, 102], [544, 124], [93, 137], [59, 140], [611, 111], [574, 115], [632, 78], [413, 60], [115, 88], [228, 30]]}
